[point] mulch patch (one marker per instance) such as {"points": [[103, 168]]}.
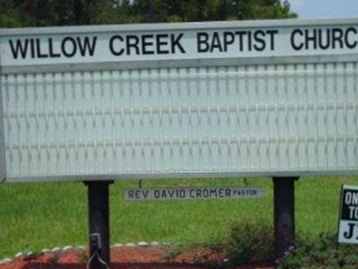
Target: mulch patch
{"points": [[137, 257]]}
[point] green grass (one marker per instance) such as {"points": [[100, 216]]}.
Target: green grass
{"points": [[44, 215]]}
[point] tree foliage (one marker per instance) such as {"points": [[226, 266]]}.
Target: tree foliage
{"points": [[21, 13]]}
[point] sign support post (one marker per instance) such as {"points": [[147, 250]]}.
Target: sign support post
{"points": [[98, 210], [284, 213]]}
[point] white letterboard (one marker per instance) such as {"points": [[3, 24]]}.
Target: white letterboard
{"points": [[155, 116]]}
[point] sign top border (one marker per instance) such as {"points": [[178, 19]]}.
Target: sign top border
{"points": [[350, 187], [174, 26]]}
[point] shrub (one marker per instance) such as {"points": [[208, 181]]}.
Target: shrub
{"points": [[250, 242], [322, 252]]}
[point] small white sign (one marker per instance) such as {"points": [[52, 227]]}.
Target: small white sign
{"points": [[348, 223], [187, 193]]}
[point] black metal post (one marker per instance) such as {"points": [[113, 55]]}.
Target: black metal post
{"points": [[99, 241], [284, 213]]}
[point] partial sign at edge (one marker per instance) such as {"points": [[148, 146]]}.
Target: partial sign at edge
{"points": [[348, 219]]}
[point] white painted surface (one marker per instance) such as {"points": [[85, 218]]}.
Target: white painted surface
{"points": [[344, 227], [228, 121]]}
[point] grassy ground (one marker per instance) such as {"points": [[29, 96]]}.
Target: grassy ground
{"points": [[44, 215]]}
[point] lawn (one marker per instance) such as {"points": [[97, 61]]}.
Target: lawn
{"points": [[44, 215]]}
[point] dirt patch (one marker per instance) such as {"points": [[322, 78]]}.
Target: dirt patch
{"points": [[138, 257]]}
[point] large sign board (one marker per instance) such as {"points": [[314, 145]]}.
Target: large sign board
{"points": [[223, 99], [348, 222]]}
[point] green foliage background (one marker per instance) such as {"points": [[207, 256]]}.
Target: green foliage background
{"points": [[23, 13]]}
